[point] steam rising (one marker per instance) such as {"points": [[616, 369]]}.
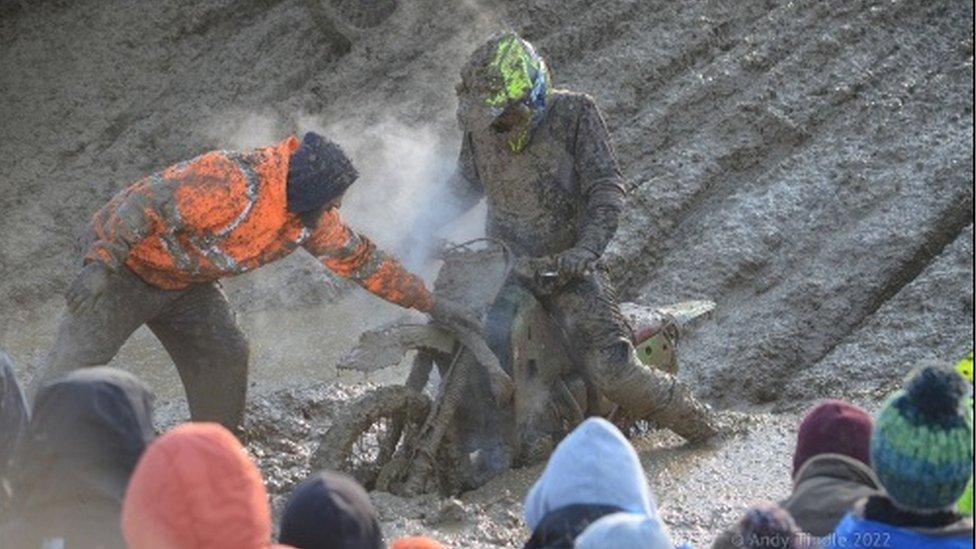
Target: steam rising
{"points": [[403, 171], [403, 174]]}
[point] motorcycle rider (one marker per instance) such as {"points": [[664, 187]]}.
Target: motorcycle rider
{"points": [[543, 159]]}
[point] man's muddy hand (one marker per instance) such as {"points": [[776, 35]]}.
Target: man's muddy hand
{"points": [[88, 287], [455, 315]]}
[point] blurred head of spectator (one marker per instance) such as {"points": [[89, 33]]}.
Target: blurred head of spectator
{"points": [[330, 510], [416, 542], [631, 530], [594, 472], [768, 526], [922, 452], [194, 488], [87, 432], [833, 427]]}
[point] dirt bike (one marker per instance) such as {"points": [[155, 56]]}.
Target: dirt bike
{"points": [[503, 399]]}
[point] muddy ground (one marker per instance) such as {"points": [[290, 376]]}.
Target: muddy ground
{"points": [[806, 165], [697, 491]]}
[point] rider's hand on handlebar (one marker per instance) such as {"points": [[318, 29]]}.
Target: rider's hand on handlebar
{"points": [[455, 315], [575, 262]]}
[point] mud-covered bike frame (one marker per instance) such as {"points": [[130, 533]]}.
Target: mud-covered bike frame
{"points": [[532, 391]]}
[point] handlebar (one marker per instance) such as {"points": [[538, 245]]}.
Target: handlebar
{"points": [[542, 275]]}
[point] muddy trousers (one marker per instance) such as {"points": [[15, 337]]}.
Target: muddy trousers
{"points": [[590, 315], [196, 327]]}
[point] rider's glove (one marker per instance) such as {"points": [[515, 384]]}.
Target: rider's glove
{"points": [[575, 262]]}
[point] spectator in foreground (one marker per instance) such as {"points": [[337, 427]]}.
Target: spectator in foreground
{"points": [[13, 423], [831, 469], [416, 542], [630, 530], [922, 452], [87, 432], [593, 473], [831, 466], [330, 511], [196, 488]]}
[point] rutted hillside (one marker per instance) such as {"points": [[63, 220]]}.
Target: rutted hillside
{"points": [[806, 165], [800, 163]]}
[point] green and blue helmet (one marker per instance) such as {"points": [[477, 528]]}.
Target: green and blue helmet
{"points": [[505, 75]]}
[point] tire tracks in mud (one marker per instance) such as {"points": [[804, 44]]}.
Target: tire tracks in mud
{"points": [[869, 64], [780, 137], [823, 125]]}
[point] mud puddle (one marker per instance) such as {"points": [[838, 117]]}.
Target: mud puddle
{"points": [[700, 490]]}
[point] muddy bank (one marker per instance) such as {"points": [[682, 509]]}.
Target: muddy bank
{"points": [[801, 164]]}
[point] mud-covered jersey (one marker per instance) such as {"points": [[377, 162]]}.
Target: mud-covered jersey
{"points": [[564, 189]]}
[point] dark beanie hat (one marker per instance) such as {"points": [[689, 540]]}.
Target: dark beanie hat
{"points": [[330, 510], [767, 525], [318, 172], [834, 427]]}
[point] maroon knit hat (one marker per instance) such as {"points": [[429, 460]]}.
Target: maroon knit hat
{"points": [[834, 427]]}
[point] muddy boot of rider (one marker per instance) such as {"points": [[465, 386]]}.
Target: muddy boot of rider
{"points": [[590, 316], [651, 394]]}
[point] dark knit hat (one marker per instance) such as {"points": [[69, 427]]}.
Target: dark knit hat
{"points": [[767, 526], [318, 172], [330, 510], [922, 447], [833, 427]]}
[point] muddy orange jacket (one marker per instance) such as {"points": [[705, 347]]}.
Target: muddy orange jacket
{"points": [[225, 213]]}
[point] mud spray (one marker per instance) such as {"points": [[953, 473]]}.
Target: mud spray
{"points": [[404, 169]]}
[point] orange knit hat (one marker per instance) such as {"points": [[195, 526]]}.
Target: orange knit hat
{"points": [[195, 487], [416, 542]]}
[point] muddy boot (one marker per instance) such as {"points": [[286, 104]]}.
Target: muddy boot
{"points": [[651, 394], [686, 415]]}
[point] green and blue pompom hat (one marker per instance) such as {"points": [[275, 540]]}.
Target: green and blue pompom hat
{"points": [[922, 445]]}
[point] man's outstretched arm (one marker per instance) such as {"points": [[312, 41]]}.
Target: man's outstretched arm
{"points": [[353, 256]]}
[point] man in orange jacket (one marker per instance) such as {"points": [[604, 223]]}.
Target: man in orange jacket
{"points": [[159, 248]]}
